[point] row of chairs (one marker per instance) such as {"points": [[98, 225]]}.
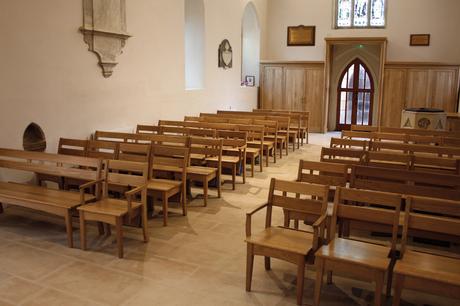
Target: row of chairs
{"points": [[398, 213]]}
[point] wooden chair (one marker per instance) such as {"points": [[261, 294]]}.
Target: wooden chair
{"points": [[174, 131], [322, 173], [436, 164], [344, 143], [234, 155], [255, 142], [294, 246], [112, 211], [207, 147], [362, 260], [147, 129], [134, 152], [197, 132], [270, 128], [387, 160], [341, 156], [102, 149], [432, 273], [364, 128], [171, 161]]}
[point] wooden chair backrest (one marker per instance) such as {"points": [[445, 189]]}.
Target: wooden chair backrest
{"points": [[216, 119], [134, 152], [240, 121], [123, 137], [74, 147], [192, 118], [419, 132], [436, 164], [174, 130], [235, 139], [180, 123], [357, 135], [209, 147], [367, 206], [436, 185], [124, 173], [341, 156], [202, 132], [309, 199], [322, 173], [254, 132], [415, 148], [271, 127], [147, 129], [77, 167], [169, 156], [430, 215], [451, 141], [345, 143], [220, 126], [424, 139], [364, 128], [387, 160], [102, 149]]}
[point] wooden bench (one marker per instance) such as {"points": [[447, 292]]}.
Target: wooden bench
{"points": [[341, 156], [56, 202], [344, 143]]}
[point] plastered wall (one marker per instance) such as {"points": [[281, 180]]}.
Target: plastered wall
{"points": [[47, 75]]}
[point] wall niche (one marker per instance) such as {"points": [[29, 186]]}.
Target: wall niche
{"points": [[33, 138], [105, 31]]}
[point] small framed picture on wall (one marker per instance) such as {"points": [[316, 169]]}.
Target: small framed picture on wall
{"points": [[250, 80], [420, 40], [301, 36]]}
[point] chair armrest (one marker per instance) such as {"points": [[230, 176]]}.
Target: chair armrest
{"points": [[136, 190], [87, 185], [249, 220], [318, 231], [129, 194]]}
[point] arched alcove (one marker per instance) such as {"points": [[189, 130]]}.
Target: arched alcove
{"points": [[250, 35], [194, 44], [34, 138]]}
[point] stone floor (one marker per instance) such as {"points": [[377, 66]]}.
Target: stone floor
{"points": [[196, 260]]}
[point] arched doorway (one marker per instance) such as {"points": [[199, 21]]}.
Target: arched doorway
{"points": [[355, 95]]}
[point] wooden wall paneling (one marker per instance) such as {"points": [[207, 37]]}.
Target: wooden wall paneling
{"points": [[394, 93], [314, 97], [443, 93], [294, 89], [418, 88], [272, 87]]}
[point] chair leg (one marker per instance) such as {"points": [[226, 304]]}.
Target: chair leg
{"points": [[253, 165], [119, 227], [329, 277], [267, 263], [296, 224], [69, 229], [165, 209], [1, 208], [319, 280], [249, 266], [234, 177], [398, 286], [261, 163], [145, 230], [205, 192], [183, 200], [108, 230], [100, 228], [82, 231], [267, 156], [300, 279], [219, 186], [379, 280]]}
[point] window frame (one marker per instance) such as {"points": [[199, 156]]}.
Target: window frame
{"points": [[336, 15]]}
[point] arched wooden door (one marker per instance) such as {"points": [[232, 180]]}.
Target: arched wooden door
{"points": [[355, 95]]}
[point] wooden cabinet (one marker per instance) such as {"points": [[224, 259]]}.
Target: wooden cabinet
{"points": [[294, 86], [418, 85]]}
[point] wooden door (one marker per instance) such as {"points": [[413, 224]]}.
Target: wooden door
{"points": [[294, 89], [355, 94], [394, 92], [314, 97]]}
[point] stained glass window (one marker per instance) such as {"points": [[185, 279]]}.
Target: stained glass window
{"points": [[360, 13]]}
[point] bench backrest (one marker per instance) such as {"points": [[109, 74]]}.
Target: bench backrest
{"points": [[436, 185], [77, 167], [166, 157], [322, 173], [149, 129], [124, 173], [74, 147], [134, 152], [387, 160], [345, 143], [341, 156], [102, 149]]}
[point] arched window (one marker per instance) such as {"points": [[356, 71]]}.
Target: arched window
{"points": [[250, 36], [360, 13], [355, 95], [194, 44]]}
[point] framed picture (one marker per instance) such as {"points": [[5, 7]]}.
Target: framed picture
{"points": [[420, 39], [301, 36], [250, 80]]}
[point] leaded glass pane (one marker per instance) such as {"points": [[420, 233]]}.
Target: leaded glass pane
{"points": [[360, 13], [362, 77], [367, 110], [368, 82], [351, 73], [344, 81], [344, 13], [349, 107], [343, 103], [359, 109], [377, 13]]}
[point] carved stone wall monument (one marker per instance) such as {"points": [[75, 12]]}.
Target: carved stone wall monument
{"points": [[104, 30]]}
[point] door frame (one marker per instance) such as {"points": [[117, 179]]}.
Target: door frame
{"points": [[330, 43]]}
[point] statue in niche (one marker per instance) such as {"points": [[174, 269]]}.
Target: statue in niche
{"points": [[105, 31], [225, 55]]}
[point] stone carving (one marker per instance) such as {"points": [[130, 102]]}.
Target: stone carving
{"points": [[225, 55], [105, 31]]}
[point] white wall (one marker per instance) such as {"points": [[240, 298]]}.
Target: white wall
{"points": [[194, 44], [404, 17], [251, 44], [47, 75]]}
